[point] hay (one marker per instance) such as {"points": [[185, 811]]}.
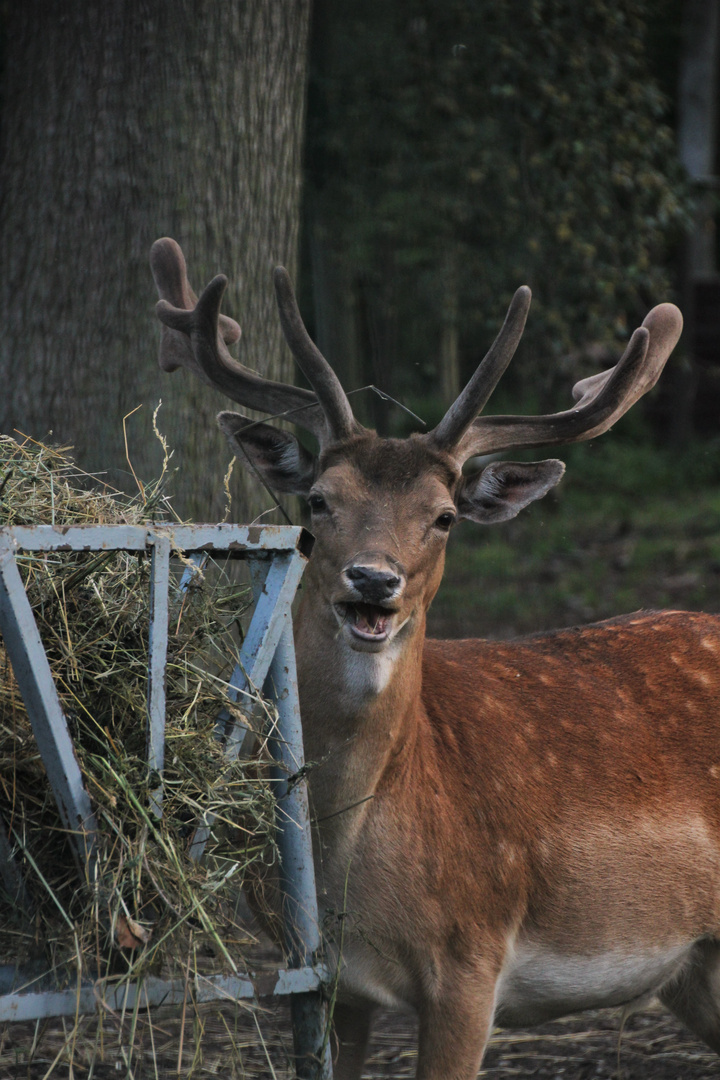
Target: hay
{"points": [[151, 909]]}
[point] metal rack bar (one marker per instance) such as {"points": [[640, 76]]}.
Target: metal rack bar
{"points": [[297, 873], [297, 867], [239, 540], [157, 657], [35, 1004], [50, 727], [271, 618], [279, 580]]}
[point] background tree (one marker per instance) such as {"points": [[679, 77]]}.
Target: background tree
{"points": [[457, 150], [698, 394], [123, 122]]}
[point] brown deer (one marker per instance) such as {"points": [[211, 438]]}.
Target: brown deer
{"points": [[511, 831]]}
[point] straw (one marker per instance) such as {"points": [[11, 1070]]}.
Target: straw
{"points": [[150, 901]]}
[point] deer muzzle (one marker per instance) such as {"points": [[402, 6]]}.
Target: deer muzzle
{"points": [[374, 584]]}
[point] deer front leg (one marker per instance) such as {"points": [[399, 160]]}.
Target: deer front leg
{"points": [[454, 1030]]}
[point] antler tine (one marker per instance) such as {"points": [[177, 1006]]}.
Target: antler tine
{"points": [[665, 324], [169, 270], [312, 363], [476, 394], [602, 398], [194, 336]]}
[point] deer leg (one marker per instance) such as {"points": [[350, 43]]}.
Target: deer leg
{"points": [[694, 995], [454, 1031], [352, 1034]]}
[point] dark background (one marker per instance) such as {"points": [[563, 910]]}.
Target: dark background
{"points": [[411, 163]]}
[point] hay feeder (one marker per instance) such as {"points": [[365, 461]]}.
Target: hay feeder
{"points": [[277, 556]]}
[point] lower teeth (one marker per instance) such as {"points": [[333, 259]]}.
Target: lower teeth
{"points": [[372, 623]]}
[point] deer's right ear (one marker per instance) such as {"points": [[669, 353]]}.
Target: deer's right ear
{"points": [[277, 455]]}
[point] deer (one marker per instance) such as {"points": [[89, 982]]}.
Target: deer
{"points": [[510, 831]]}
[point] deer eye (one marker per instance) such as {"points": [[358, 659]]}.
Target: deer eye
{"points": [[316, 503], [445, 521]]}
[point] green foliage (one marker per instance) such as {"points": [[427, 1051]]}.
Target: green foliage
{"points": [[632, 525], [459, 149]]}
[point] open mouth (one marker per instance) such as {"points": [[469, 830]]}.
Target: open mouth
{"points": [[368, 621]]}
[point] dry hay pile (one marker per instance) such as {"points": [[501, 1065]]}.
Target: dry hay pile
{"points": [[151, 909]]}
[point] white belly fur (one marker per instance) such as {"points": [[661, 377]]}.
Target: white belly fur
{"points": [[538, 984]]}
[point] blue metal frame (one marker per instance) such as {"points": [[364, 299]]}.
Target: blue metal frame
{"points": [[278, 557], [34, 678]]}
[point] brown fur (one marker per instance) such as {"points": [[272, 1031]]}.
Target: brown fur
{"points": [[559, 793]]}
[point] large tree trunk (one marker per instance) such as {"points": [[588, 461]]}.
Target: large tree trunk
{"points": [[697, 122], [123, 122], [697, 147]]}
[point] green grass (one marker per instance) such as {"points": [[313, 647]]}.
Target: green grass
{"points": [[631, 525]]}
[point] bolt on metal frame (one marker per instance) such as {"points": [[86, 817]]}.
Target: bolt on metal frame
{"points": [[277, 556]]}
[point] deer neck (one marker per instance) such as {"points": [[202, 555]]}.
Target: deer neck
{"points": [[357, 707]]}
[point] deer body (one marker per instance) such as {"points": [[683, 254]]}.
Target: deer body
{"points": [[505, 832], [502, 823]]}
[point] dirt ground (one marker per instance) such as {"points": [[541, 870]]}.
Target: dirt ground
{"points": [[653, 1046]]}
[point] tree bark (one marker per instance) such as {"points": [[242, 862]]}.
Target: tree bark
{"points": [[697, 123], [124, 122], [697, 148]]}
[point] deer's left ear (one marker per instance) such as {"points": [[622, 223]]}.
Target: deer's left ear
{"points": [[502, 489], [277, 455]]}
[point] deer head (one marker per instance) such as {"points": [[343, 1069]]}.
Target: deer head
{"points": [[382, 508]]}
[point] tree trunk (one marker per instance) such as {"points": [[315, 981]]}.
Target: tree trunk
{"points": [[697, 147], [697, 120], [124, 122]]}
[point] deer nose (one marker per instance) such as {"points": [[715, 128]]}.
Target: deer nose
{"points": [[376, 579]]}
